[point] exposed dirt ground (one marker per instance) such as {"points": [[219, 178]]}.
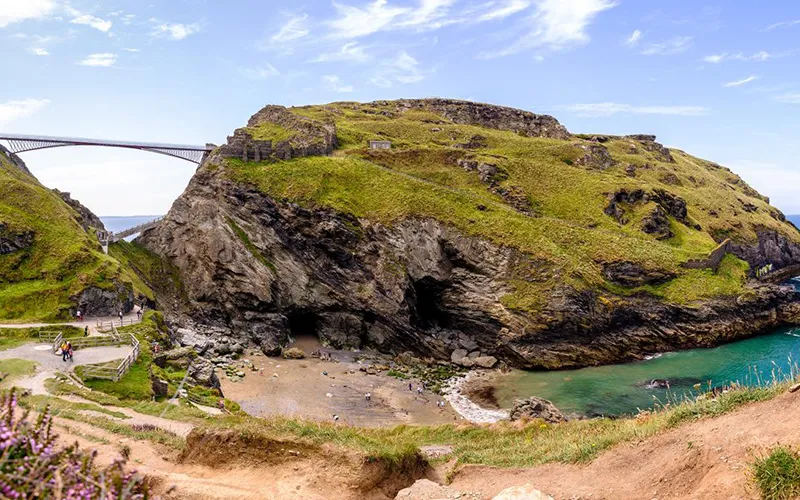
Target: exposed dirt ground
{"points": [[300, 389], [708, 459]]}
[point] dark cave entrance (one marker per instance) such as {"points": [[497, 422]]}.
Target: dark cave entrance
{"points": [[303, 327], [425, 297]]}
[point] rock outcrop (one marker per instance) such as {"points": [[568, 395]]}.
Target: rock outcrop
{"points": [[262, 270], [85, 217], [107, 301], [533, 407], [489, 116], [14, 241]]}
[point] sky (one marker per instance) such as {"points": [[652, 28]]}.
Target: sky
{"points": [[718, 80]]}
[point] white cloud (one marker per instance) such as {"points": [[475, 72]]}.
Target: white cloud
{"points": [[104, 59], [38, 51], [334, 83], [261, 73], [509, 8], [757, 56], [14, 110], [633, 40], [13, 11], [605, 109], [132, 50], [556, 25], [94, 22], [294, 28], [350, 51], [669, 47], [790, 98], [175, 31], [783, 24], [354, 22], [743, 81], [403, 69]]}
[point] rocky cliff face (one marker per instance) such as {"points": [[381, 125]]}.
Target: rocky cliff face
{"points": [[262, 269], [85, 217]]}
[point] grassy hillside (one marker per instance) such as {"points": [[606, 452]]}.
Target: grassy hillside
{"points": [[36, 282], [563, 227]]}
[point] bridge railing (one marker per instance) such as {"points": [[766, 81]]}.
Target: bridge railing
{"points": [[135, 229]]}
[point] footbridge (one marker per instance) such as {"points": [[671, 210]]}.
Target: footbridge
{"points": [[25, 143]]}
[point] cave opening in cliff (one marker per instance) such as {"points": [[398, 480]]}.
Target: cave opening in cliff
{"points": [[426, 298], [303, 325]]}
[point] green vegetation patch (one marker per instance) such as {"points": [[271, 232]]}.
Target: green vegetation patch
{"points": [[15, 337], [777, 475], [146, 270], [245, 239], [36, 282], [268, 131], [15, 368]]}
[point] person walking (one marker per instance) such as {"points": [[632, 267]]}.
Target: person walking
{"points": [[120, 318], [64, 352], [86, 331], [69, 350], [78, 315], [139, 314]]}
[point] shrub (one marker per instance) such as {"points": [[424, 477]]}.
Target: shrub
{"points": [[31, 465]]}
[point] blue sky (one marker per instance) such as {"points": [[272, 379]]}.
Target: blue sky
{"points": [[718, 80]]}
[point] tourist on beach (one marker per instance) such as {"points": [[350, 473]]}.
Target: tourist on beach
{"points": [[368, 396], [410, 387], [335, 417], [419, 390]]}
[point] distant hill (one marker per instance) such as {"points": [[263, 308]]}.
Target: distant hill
{"points": [[795, 219]]}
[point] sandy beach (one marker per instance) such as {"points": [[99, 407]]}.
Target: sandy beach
{"points": [[317, 390]]}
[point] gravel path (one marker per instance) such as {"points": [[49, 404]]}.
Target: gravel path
{"points": [[49, 363]]}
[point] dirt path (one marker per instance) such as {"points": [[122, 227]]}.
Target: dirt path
{"points": [[92, 323], [708, 459]]}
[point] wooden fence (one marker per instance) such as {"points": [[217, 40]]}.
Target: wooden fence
{"points": [[110, 372], [106, 325]]}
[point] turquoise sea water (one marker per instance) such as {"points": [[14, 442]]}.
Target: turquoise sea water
{"points": [[625, 388]]}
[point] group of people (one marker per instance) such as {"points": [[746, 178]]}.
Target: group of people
{"points": [[66, 351]]}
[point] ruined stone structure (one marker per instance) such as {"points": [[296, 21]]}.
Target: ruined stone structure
{"points": [[713, 260]]}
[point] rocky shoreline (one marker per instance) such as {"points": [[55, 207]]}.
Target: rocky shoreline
{"points": [[454, 393]]}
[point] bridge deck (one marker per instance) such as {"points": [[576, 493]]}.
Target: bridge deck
{"points": [[20, 143]]}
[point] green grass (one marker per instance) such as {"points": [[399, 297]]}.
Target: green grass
{"points": [[267, 131], [504, 444], [37, 283], [15, 337], [134, 385], [147, 272], [15, 368], [777, 475]]}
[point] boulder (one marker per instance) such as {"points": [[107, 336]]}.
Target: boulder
{"points": [[485, 361], [534, 407], [293, 353], [425, 489], [160, 387], [457, 355], [203, 372], [526, 492]]}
